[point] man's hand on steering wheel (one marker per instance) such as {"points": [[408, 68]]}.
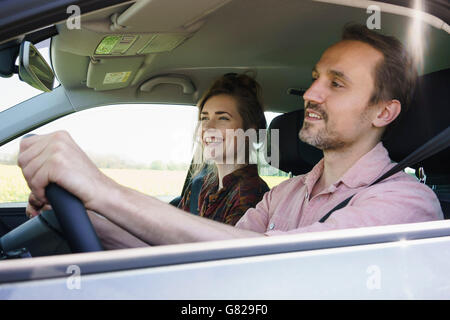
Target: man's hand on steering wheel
{"points": [[60, 173], [35, 207], [57, 158]]}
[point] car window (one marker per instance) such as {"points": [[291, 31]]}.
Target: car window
{"points": [[145, 147], [271, 175]]}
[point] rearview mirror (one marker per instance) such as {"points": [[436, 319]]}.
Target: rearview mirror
{"points": [[33, 69]]}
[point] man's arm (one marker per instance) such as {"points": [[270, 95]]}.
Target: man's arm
{"points": [[157, 222], [112, 236], [56, 158]]}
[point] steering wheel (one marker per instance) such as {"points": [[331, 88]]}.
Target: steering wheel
{"points": [[73, 219]]}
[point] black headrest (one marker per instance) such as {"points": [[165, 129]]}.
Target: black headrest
{"points": [[294, 155], [427, 116]]}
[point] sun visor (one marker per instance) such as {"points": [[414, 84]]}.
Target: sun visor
{"points": [[112, 73], [133, 44], [163, 15]]}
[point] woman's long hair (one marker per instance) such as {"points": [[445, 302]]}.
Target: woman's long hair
{"points": [[247, 93]]}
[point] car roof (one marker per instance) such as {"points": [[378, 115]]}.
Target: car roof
{"points": [[278, 42]]}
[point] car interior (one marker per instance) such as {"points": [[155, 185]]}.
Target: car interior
{"points": [[153, 52]]}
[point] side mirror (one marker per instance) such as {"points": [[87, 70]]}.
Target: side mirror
{"points": [[33, 69]]}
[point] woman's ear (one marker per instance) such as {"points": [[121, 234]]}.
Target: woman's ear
{"points": [[389, 111]]}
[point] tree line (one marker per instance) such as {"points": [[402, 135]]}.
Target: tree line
{"points": [[114, 162]]}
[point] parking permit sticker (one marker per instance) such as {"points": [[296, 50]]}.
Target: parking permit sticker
{"points": [[116, 77]]}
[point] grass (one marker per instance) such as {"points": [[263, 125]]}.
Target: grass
{"points": [[13, 187]]}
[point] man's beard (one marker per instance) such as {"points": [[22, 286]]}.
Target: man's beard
{"points": [[323, 139]]}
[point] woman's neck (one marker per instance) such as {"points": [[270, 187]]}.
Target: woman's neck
{"points": [[225, 169]]}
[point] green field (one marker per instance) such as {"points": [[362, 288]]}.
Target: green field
{"points": [[13, 187]]}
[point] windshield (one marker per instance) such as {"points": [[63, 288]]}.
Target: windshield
{"points": [[15, 91]]}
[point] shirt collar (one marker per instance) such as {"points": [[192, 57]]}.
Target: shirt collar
{"points": [[367, 168], [313, 176], [363, 172]]}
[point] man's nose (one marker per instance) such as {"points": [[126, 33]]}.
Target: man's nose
{"points": [[316, 93]]}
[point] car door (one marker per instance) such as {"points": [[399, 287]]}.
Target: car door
{"points": [[390, 262]]}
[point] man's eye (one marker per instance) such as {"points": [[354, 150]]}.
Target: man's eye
{"points": [[336, 84], [203, 118], [223, 118]]}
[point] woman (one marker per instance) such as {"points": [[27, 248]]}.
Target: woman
{"points": [[230, 184]]}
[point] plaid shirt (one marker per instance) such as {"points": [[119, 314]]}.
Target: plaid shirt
{"points": [[242, 189]]}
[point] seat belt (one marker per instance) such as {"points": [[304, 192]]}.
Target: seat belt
{"points": [[430, 148], [197, 184]]}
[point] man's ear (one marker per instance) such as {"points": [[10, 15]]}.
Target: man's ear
{"points": [[389, 112]]}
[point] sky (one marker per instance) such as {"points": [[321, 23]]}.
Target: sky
{"points": [[139, 133]]}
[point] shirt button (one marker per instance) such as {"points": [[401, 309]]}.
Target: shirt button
{"points": [[271, 226], [306, 195]]}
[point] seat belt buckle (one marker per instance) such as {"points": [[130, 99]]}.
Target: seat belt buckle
{"points": [[422, 176]]}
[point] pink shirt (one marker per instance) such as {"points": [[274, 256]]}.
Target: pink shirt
{"points": [[288, 209]]}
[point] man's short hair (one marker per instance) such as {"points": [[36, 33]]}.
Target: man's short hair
{"points": [[395, 76]]}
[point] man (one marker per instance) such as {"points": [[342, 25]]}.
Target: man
{"points": [[360, 86]]}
